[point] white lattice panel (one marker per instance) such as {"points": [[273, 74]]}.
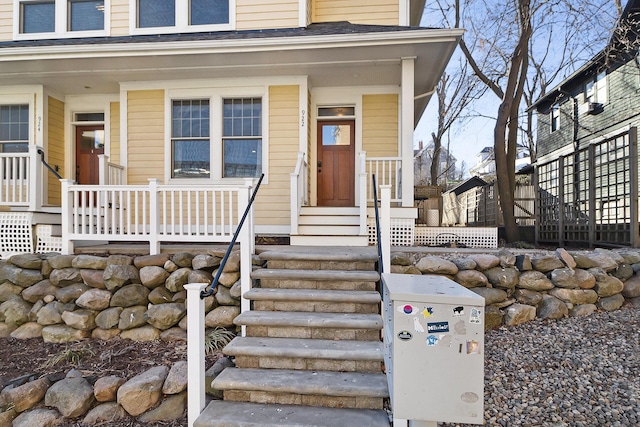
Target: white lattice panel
{"points": [[401, 231], [45, 242], [16, 233], [470, 237]]}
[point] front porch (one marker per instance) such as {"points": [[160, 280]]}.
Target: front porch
{"points": [[157, 214]]}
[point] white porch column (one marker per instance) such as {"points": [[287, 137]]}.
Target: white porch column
{"points": [[36, 183], [154, 217], [406, 133], [66, 217], [195, 351]]}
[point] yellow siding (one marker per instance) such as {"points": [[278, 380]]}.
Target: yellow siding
{"points": [[381, 12], [272, 202], [55, 148], [119, 17], [262, 14], [145, 127], [6, 20], [380, 125], [114, 127]]}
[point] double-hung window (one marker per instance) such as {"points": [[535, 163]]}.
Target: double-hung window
{"points": [[181, 15], [242, 137], [60, 18], [596, 89], [190, 141], [555, 118], [14, 128]]}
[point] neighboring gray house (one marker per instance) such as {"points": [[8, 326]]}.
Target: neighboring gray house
{"points": [[422, 158], [587, 165]]}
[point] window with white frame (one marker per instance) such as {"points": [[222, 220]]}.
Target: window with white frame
{"points": [[66, 18], [182, 14], [242, 137], [190, 141], [555, 118], [14, 128], [596, 89]]}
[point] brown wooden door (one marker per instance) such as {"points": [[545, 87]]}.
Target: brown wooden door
{"points": [[89, 144], [336, 163]]}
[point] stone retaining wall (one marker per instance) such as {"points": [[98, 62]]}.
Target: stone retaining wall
{"points": [[66, 298], [519, 288]]}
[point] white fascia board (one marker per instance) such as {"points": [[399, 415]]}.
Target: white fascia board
{"points": [[232, 46]]}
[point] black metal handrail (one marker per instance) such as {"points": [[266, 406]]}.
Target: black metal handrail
{"points": [[378, 236], [44, 162], [208, 292]]}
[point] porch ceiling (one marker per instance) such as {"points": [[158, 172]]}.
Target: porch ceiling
{"points": [[361, 59]]}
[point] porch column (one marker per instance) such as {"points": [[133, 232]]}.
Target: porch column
{"points": [[66, 217], [406, 133], [35, 181], [195, 351]]}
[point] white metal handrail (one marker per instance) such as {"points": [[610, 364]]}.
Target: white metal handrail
{"points": [[388, 171]]}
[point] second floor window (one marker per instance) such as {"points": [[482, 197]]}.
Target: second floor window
{"points": [[555, 118], [181, 14], [596, 89], [41, 17]]}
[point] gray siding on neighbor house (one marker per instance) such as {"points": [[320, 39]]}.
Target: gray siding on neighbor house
{"points": [[621, 109]]}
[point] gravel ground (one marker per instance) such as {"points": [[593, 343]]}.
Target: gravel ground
{"points": [[579, 372]]}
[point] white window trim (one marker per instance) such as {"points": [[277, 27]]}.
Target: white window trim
{"points": [[215, 95], [61, 23], [182, 21]]}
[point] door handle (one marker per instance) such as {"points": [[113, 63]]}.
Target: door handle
{"points": [[319, 164]]}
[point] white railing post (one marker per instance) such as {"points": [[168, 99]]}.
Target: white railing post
{"points": [[195, 351], [66, 216], [385, 226], [296, 197], [35, 183], [245, 237], [362, 190], [103, 169], [154, 217]]}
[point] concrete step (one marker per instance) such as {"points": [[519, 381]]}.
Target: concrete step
{"points": [[314, 388], [242, 414], [329, 220], [318, 275], [355, 240], [337, 326], [333, 258], [302, 354], [329, 211], [312, 300], [317, 279]]}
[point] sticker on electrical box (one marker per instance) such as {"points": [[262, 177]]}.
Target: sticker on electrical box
{"points": [[438, 327], [405, 335], [473, 347], [458, 311], [427, 312], [475, 316], [407, 309], [432, 340], [417, 326]]}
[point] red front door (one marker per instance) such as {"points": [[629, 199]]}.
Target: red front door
{"points": [[336, 163], [89, 144]]}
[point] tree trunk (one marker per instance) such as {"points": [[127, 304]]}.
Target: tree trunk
{"points": [[435, 160]]}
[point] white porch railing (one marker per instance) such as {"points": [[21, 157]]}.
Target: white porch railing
{"points": [[388, 171], [110, 173], [153, 213], [14, 179], [299, 190]]}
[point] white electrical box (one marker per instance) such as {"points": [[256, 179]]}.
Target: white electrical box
{"points": [[434, 349]]}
